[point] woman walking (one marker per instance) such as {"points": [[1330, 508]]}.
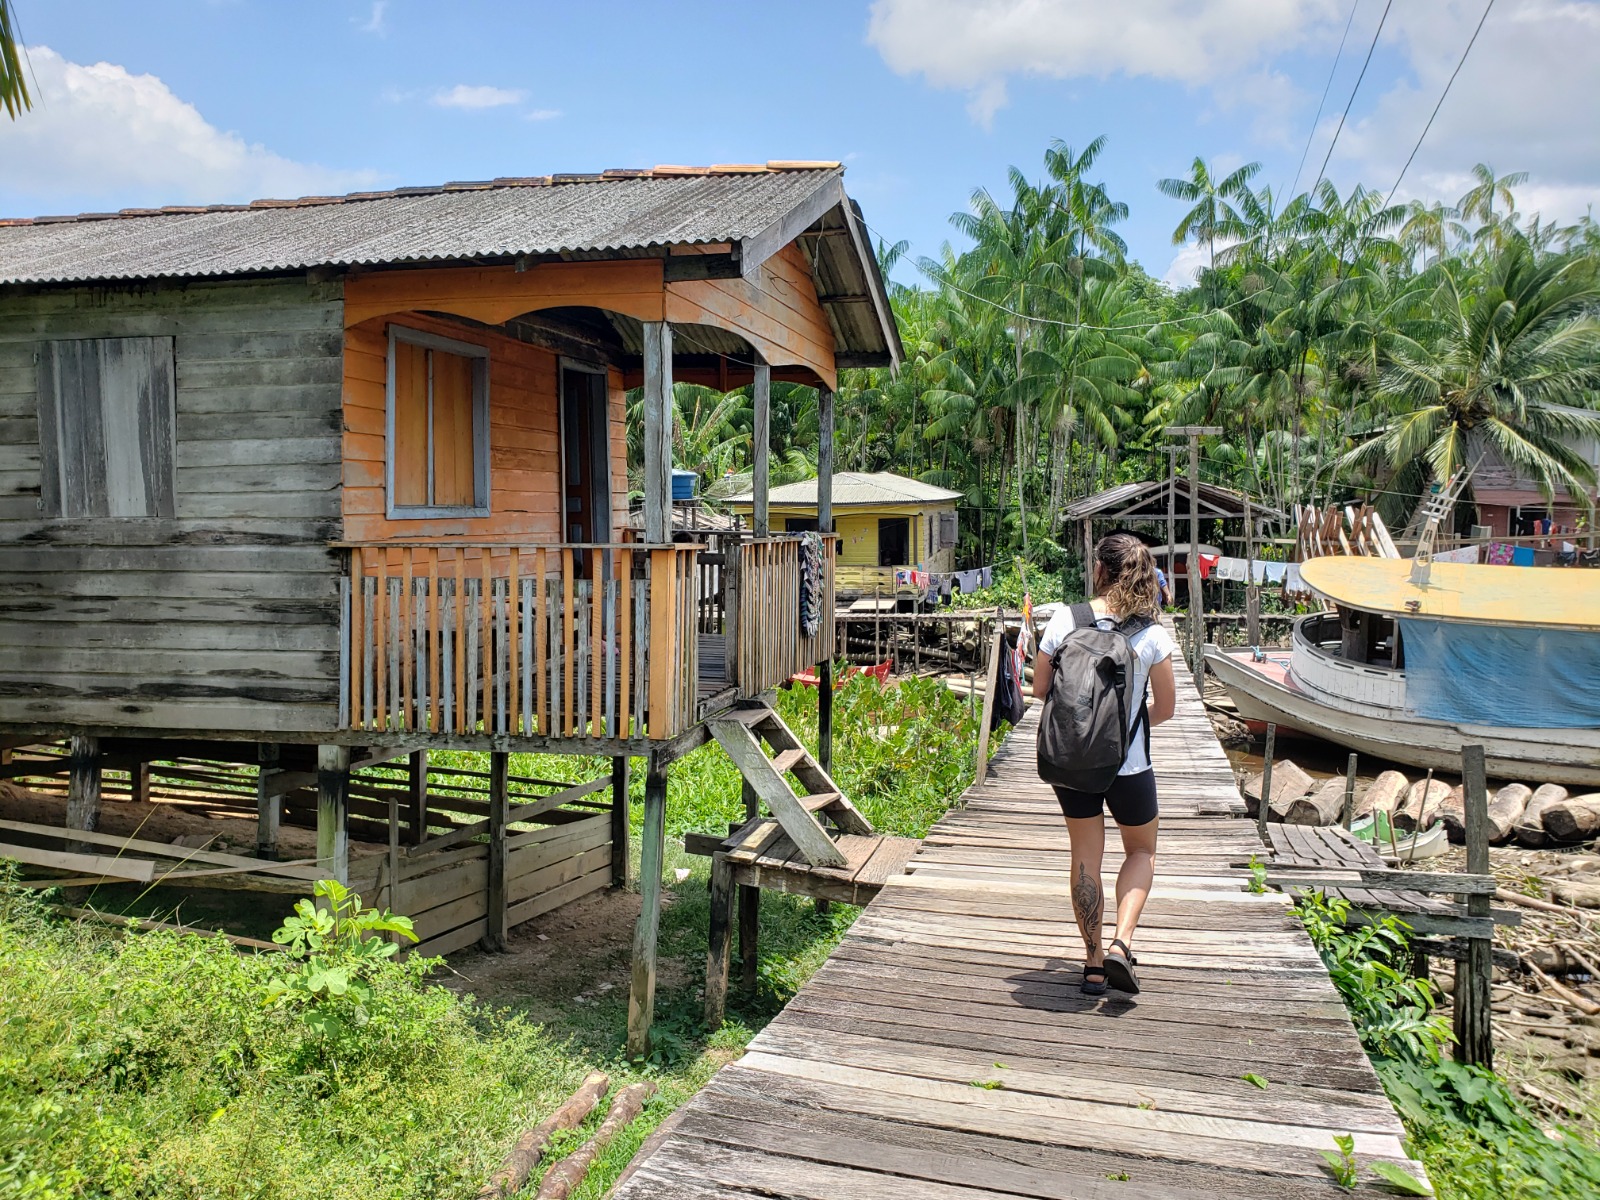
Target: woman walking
{"points": [[1127, 601]]}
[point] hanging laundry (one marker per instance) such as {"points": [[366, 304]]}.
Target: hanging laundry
{"points": [[988, 577], [969, 581], [1466, 554], [1207, 563], [1522, 556], [1293, 584], [1499, 553], [1232, 570], [1276, 571]]}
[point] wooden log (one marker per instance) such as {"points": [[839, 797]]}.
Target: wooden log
{"points": [[561, 1179], [333, 798], [519, 1163], [1320, 806], [1506, 809], [1529, 829], [1421, 803], [1573, 820], [1576, 892], [138, 870], [269, 801], [1453, 812], [1383, 796], [83, 788], [620, 828], [1289, 783]]}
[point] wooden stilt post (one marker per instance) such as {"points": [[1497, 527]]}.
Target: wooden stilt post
{"points": [[1475, 972], [657, 432], [333, 799], [139, 783], [719, 942], [269, 800], [749, 908], [417, 784], [494, 937], [1196, 589], [642, 990], [621, 826], [1266, 785], [761, 446], [825, 525], [1252, 593], [1172, 519], [391, 899], [83, 787], [1349, 813]]}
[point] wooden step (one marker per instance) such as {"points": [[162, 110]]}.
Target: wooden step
{"points": [[820, 801], [785, 760]]}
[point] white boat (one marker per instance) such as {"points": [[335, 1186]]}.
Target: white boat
{"points": [[1396, 847], [1503, 657]]}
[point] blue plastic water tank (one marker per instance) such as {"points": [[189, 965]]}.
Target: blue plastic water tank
{"points": [[683, 484]]}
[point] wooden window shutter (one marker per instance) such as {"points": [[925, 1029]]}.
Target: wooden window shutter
{"points": [[454, 480], [410, 424], [947, 530], [106, 428]]}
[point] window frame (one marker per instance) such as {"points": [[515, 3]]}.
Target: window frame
{"points": [[479, 357]]}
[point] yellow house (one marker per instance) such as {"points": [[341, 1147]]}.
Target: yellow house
{"points": [[885, 523]]}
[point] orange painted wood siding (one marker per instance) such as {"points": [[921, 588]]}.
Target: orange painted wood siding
{"points": [[524, 446], [778, 313]]}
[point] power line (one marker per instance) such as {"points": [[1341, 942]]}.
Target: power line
{"points": [[1448, 83], [1364, 64], [1327, 87]]}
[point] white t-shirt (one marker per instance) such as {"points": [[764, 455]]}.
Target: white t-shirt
{"points": [[1152, 644]]}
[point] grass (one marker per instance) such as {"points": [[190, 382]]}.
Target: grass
{"points": [[151, 1065]]}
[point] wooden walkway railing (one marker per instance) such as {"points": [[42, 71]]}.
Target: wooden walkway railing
{"points": [[767, 645], [533, 640], [946, 1051]]}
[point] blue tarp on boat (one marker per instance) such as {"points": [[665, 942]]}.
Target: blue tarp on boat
{"points": [[1499, 675]]}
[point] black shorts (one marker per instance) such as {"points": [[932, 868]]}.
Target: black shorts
{"points": [[1131, 798]]}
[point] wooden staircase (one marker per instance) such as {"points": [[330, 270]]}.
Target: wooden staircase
{"points": [[814, 816]]}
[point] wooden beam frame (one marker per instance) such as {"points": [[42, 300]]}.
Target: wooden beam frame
{"points": [[657, 432], [642, 986], [333, 804]]}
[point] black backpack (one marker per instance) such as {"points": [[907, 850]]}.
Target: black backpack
{"points": [[1084, 731]]}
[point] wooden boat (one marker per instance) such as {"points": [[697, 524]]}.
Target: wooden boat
{"points": [[1503, 657], [1401, 847]]}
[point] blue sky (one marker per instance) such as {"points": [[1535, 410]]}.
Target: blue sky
{"points": [[184, 101]]}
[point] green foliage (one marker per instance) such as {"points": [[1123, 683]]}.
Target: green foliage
{"points": [[1258, 876], [337, 961], [1255, 1080], [1342, 1161], [1477, 1140]]}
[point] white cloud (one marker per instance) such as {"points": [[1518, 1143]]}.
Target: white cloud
{"points": [[975, 47], [542, 114], [100, 131], [375, 23], [1525, 101], [1187, 263], [476, 96]]}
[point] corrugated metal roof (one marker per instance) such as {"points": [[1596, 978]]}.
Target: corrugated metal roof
{"points": [[857, 488], [614, 211], [1150, 498]]}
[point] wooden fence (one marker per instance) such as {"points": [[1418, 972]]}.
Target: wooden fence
{"points": [[766, 643], [554, 640]]}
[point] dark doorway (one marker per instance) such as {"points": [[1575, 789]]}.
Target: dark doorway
{"points": [[585, 458], [894, 541]]}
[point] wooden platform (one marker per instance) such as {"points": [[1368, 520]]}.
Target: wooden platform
{"points": [[945, 1051], [763, 856]]}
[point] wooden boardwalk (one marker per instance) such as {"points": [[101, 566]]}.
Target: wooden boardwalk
{"points": [[965, 972]]}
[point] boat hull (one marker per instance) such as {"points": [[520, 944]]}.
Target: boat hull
{"points": [[1566, 756]]}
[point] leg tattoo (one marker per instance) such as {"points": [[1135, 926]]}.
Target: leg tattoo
{"points": [[1088, 903]]}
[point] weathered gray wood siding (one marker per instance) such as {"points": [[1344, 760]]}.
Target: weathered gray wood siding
{"points": [[225, 615]]}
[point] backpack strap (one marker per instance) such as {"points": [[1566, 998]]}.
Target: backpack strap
{"points": [[1083, 616]]}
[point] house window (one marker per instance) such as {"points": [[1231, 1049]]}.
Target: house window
{"points": [[106, 428], [947, 530], [438, 463]]}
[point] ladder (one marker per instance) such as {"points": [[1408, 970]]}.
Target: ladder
{"points": [[1438, 505], [741, 732]]}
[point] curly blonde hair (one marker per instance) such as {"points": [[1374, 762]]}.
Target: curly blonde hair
{"points": [[1126, 576]]}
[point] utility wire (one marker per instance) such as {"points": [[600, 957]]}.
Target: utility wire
{"points": [[1448, 83], [1327, 87], [1342, 116]]}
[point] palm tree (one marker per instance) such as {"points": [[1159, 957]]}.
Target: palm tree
{"points": [[14, 97], [1211, 215], [1513, 373], [1430, 227], [1478, 203]]}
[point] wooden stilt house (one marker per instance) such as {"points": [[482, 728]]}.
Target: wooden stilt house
{"points": [[320, 484]]}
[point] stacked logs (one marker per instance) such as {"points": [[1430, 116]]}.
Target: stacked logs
{"points": [[1533, 817]]}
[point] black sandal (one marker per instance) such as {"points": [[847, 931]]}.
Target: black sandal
{"points": [[1119, 968], [1094, 987]]}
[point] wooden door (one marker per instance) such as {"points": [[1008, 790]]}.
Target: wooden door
{"points": [[585, 458]]}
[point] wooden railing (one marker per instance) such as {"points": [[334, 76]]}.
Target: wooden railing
{"points": [[765, 642], [561, 641]]}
